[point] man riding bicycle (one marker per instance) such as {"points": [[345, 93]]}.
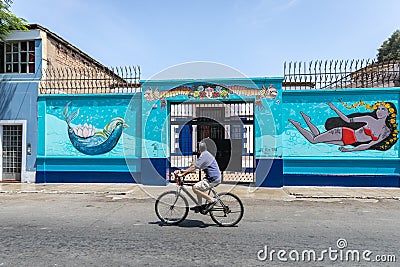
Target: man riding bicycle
{"points": [[208, 164]]}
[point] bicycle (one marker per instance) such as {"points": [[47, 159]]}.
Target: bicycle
{"points": [[172, 207]]}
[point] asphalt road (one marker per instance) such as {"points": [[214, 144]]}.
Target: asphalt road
{"points": [[95, 230]]}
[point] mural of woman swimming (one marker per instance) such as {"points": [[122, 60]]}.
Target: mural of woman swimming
{"points": [[376, 130]]}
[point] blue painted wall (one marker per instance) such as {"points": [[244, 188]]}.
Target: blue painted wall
{"points": [[18, 101], [60, 160], [324, 164], [158, 93], [283, 156]]}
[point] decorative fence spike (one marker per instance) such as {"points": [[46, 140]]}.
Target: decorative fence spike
{"points": [[90, 80], [336, 74]]}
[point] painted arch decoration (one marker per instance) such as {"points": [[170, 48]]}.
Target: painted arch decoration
{"points": [[211, 91]]}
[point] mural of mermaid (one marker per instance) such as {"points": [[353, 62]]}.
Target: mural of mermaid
{"points": [[87, 140], [375, 130]]}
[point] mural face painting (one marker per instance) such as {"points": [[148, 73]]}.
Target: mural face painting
{"points": [[375, 130], [87, 140]]}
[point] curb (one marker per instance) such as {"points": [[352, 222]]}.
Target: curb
{"points": [[284, 193], [349, 193], [301, 196]]}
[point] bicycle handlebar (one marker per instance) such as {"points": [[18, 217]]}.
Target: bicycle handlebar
{"points": [[178, 179]]}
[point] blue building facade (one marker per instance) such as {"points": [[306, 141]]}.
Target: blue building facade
{"points": [[272, 137], [21, 65], [71, 127], [371, 163], [27, 58], [65, 121], [260, 133]]}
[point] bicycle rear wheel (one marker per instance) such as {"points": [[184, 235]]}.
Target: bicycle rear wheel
{"points": [[171, 208], [228, 210]]}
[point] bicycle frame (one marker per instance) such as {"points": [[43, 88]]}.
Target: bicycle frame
{"points": [[182, 188], [217, 211]]}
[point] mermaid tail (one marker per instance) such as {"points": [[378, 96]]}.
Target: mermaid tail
{"points": [[87, 140]]}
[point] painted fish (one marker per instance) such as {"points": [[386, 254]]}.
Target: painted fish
{"points": [[87, 140], [181, 90], [270, 92], [243, 90], [155, 94]]}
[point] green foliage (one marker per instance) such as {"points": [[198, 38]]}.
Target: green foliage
{"points": [[9, 21], [390, 49]]}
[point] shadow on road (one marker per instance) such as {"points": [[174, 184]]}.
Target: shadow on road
{"points": [[187, 224]]}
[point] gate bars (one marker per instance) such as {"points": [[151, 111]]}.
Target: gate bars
{"points": [[90, 80], [231, 122], [341, 74]]}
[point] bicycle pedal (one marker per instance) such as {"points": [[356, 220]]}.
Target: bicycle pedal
{"points": [[204, 211], [196, 209]]}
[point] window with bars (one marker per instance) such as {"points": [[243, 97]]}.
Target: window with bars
{"points": [[17, 57]]}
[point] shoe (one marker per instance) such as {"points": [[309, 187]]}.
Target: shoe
{"points": [[196, 209], [203, 211], [211, 203], [206, 207]]}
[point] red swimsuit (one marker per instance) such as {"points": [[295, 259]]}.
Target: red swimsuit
{"points": [[368, 131], [349, 137]]}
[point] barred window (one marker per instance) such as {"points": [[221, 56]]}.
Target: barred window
{"points": [[17, 57]]}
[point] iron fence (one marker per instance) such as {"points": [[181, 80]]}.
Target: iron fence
{"points": [[90, 80], [341, 74]]}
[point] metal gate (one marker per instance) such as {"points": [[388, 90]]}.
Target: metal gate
{"points": [[11, 152], [230, 125]]}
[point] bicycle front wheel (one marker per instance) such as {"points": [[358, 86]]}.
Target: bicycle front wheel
{"points": [[171, 207], [228, 210]]}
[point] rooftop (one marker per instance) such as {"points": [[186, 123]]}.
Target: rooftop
{"points": [[67, 44]]}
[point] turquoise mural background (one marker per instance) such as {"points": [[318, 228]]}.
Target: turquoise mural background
{"points": [[316, 107], [300, 156], [155, 118], [56, 153], [268, 128], [96, 112], [155, 129], [144, 146]]}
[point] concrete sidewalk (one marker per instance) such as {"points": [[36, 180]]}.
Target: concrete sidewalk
{"points": [[145, 192]]}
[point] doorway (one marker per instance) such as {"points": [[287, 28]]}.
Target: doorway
{"points": [[11, 151], [229, 126]]}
